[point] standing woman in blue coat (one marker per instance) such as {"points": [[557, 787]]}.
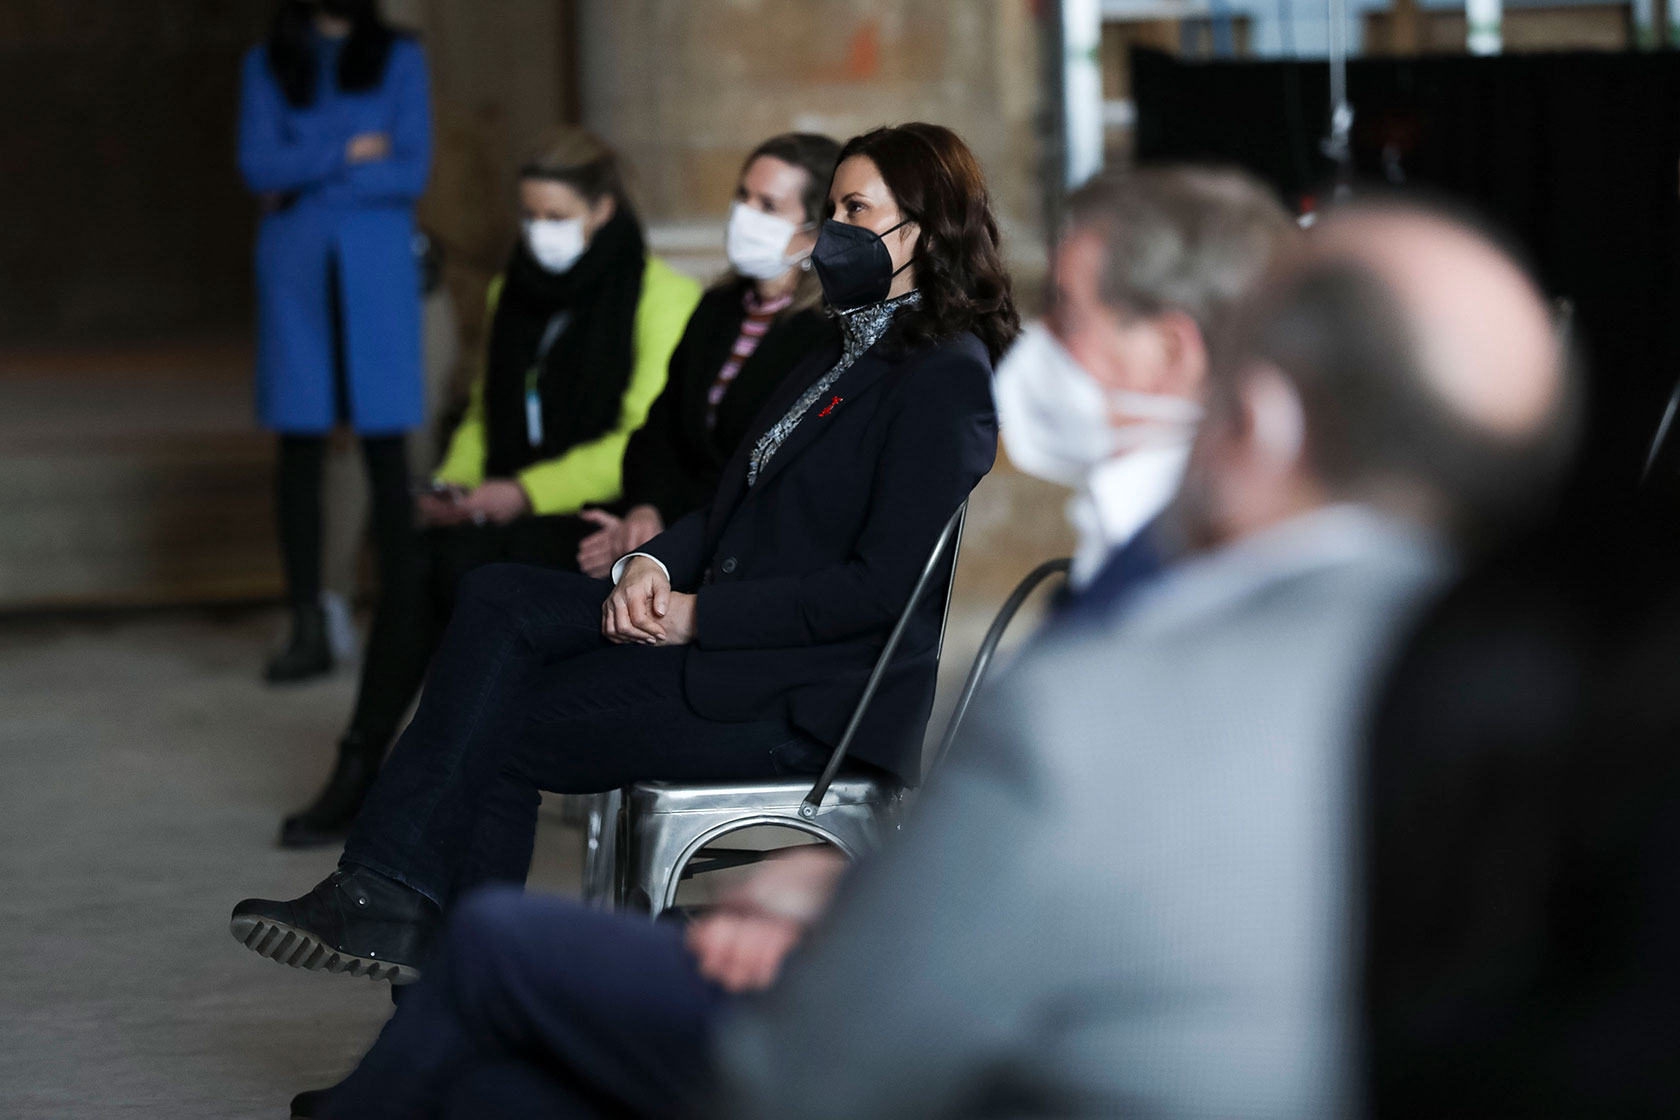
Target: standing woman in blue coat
{"points": [[335, 141]]}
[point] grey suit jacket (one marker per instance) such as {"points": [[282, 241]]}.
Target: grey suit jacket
{"points": [[1129, 891]]}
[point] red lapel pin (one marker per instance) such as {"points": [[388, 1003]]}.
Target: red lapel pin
{"points": [[830, 407]]}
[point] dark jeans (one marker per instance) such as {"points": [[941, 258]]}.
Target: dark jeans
{"points": [[416, 601], [539, 1007], [526, 695]]}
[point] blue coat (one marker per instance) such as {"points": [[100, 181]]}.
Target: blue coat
{"points": [[362, 215]]}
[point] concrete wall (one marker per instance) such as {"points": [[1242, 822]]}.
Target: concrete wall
{"points": [[687, 87], [125, 219], [121, 213], [125, 288], [501, 72], [125, 235], [120, 210]]}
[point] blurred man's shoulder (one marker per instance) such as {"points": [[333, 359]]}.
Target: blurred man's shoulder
{"points": [[1197, 643]]}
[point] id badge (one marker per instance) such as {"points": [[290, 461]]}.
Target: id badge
{"points": [[533, 411]]}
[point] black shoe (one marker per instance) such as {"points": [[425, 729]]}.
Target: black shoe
{"points": [[330, 815], [308, 654], [354, 921], [307, 1104]]}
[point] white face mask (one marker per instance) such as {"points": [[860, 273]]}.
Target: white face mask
{"points": [[1120, 497], [1060, 424], [756, 243], [556, 244]]}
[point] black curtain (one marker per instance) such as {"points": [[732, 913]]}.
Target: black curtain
{"points": [[1576, 156]]}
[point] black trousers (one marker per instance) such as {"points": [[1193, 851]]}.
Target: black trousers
{"points": [[525, 695], [298, 505], [417, 602]]}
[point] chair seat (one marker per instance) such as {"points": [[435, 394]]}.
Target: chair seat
{"points": [[667, 824], [679, 797]]}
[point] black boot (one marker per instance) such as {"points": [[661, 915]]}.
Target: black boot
{"points": [[307, 1104], [355, 921], [330, 815], [308, 654]]}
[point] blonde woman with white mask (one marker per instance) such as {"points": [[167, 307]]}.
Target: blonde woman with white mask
{"points": [[1104, 394], [581, 324]]}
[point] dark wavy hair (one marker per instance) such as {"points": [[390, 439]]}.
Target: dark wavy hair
{"points": [[938, 184], [291, 50]]}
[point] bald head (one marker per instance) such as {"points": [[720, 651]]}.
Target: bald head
{"points": [[1398, 358], [1479, 330]]}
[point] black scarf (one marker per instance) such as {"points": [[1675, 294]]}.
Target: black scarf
{"points": [[582, 382]]}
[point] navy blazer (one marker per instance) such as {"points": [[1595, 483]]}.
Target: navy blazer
{"points": [[1127, 568], [802, 576]]}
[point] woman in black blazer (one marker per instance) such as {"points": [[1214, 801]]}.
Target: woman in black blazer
{"points": [[734, 643]]}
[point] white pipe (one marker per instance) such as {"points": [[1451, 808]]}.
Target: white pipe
{"points": [[1082, 95], [1484, 18], [1644, 24], [1338, 145]]}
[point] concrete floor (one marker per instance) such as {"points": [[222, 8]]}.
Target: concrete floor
{"points": [[143, 772], [144, 769]]}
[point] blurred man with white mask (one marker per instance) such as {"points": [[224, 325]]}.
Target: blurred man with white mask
{"points": [[1132, 889], [1103, 395]]}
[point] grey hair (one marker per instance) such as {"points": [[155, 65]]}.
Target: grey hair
{"points": [[1181, 238]]}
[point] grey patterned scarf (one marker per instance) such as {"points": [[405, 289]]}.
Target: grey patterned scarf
{"points": [[860, 328]]}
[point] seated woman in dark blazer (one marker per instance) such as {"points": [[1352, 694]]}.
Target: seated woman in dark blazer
{"points": [[734, 645], [747, 333]]}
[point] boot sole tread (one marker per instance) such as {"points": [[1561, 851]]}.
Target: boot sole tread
{"points": [[298, 948]]}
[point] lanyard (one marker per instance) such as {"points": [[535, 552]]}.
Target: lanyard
{"points": [[533, 398]]}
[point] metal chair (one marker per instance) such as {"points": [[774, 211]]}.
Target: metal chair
{"points": [[988, 646], [663, 825]]}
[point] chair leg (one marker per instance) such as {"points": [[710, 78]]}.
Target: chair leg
{"points": [[600, 850], [653, 856], [624, 865], [662, 871]]}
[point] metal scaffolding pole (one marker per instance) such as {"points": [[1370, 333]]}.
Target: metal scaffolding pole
{"points": [[1338, 144]]}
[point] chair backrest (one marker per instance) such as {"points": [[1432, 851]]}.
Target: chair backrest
{"points": [[988, 647], [961, 518], [950, 539]]}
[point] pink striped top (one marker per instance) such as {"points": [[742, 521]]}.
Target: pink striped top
{"points": [[753, 328]]}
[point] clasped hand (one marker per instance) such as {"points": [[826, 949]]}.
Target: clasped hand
{"points": [[495, 501], [368, 147], [741, 943], [615, 537], [644, 610]]}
